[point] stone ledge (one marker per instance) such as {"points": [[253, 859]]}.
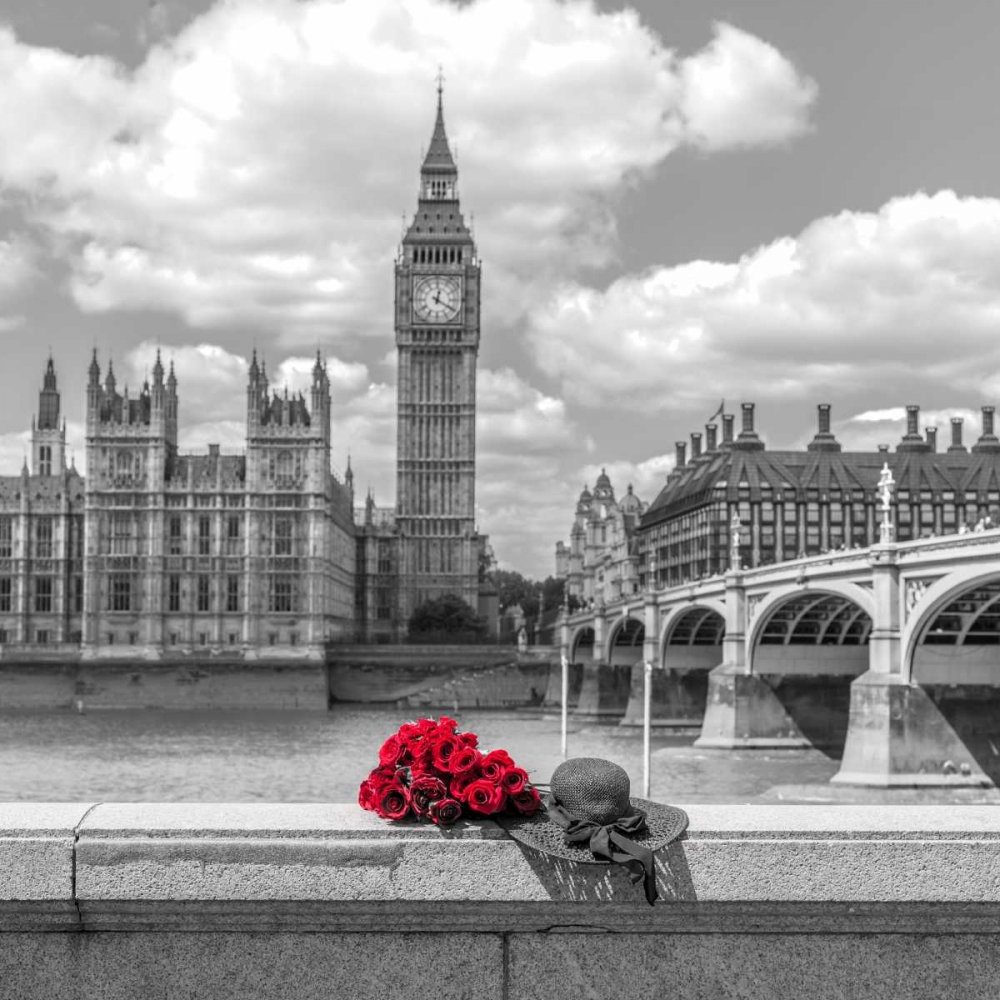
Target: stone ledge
{"points": [[740, 869]]}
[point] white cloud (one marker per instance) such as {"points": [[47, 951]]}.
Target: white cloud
{"points": [[741, 91], [252, 169], [853, 303]]}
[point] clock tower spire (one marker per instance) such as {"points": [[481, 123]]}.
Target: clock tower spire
{"points": [[437, 340]]}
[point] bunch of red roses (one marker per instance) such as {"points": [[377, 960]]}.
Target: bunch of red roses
{"points": [[430, 770]]}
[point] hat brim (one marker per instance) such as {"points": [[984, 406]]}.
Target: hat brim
{"points": [[663, 824]]}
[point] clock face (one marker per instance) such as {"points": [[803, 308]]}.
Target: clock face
{"points": [[437, 299]]}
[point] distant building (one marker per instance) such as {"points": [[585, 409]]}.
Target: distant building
{"points": [[601, 562], [792, 503], [162, 554]]}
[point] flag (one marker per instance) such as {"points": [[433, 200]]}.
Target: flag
{"points": [[721, 409]]}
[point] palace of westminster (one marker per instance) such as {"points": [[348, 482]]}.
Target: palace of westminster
{"points": [[159, 554]]}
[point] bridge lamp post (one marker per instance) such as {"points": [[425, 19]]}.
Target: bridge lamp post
{"points": [[647, 672], [565, 699]]}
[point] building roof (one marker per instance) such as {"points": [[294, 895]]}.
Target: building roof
{"points": [[735, 471]]}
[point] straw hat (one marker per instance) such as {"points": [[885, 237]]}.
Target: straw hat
{"points": [[591, 818]]}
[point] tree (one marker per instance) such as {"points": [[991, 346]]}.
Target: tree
{"points": [[448, 618]]}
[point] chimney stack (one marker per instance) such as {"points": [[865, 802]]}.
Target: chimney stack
{"points": [[956, 435], [912, 439], [883, 449], [681, 459], [710, 437], [727, 428], [695, 445], [931, 433], [748, 439], [823, 439], [988, 439]]}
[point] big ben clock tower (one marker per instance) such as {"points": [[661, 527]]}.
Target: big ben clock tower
{"points": [[437, 338]]}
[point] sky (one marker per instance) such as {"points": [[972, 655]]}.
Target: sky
{"points": [[676, 203]]}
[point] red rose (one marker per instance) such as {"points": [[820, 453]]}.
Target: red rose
{"points": [[468, 739], [514, 779], [447, 725], [527, 801], [393, 751], [465, 760], [459, 784], [380, 777], [442, 749], [425, 789], [485, 797], [495, 763], [366, 795], [420, 752], [393, 801], [409, 731], [444, 812]]}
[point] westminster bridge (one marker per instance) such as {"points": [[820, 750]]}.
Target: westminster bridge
{"points": [[900, 641]]}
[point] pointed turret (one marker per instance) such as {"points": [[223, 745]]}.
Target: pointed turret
{"points": [[172, 378], [94, 371], [109, 381], [158, 370], [439, 158]]}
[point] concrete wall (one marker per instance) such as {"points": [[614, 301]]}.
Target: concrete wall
{"points": [[197, 684], [302, 901]]}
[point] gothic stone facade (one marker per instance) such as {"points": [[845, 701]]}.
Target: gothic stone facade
{"points": [[161, 554]]}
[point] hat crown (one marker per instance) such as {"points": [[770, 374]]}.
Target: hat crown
{"points": [[592, 789]]}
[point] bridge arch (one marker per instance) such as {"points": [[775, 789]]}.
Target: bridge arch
{"points": [[833, 616], [580, 641], [625, 641], [960, 610], [691, 635]]}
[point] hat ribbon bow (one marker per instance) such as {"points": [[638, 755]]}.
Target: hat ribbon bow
{"points": [[611, 842]]}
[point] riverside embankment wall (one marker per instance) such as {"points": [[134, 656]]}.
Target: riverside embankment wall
{"points": [[325, 901], [149, 684]]}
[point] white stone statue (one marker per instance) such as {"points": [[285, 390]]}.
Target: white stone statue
{"points": [[734, 541], [884, 491]]}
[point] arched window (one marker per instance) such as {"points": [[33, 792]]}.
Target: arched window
{"points": [[284, 464]]}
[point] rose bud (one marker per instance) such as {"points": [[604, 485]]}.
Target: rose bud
{"points": [[527, 801], [465, 760], [514, 779], [447, 725], [444, 812], [425, 789], [394, 802], [485, 797]]}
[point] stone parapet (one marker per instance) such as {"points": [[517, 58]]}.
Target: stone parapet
{"points": [[123, 900]]}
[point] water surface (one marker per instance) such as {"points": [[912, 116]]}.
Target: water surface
{"points": [[284, 756]]}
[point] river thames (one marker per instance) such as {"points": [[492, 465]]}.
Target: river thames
{"points": [[278, 756]]}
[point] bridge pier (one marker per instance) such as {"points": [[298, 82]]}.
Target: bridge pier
{"points": [[677, 698], [742, 711], [898, 738], [553, 690], [604, 692]]}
